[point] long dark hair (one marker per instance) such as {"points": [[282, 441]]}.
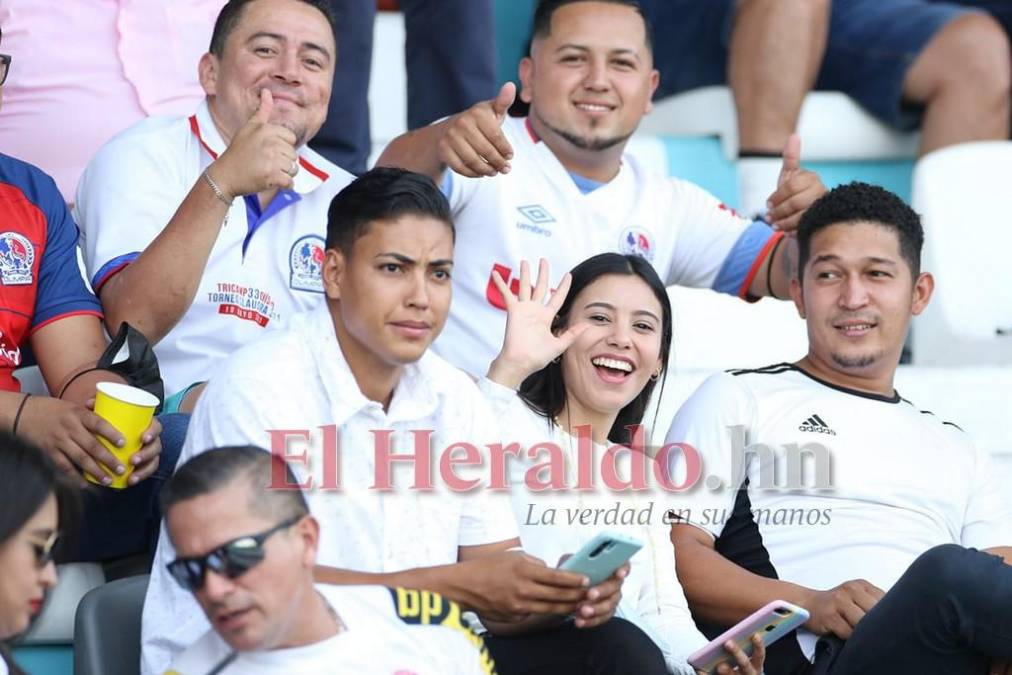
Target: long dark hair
{"points": [[544, 392], [27, 478]]}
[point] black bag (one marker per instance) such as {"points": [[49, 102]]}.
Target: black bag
{"points": [[131, 357]]}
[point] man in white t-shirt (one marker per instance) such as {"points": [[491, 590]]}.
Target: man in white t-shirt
{"points": [[352, 383], [204, 231], [247, 553], [558, 183], [822, 486]]}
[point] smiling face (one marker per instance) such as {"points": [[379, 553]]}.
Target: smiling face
{"points": [[258, 609], [285, 46], [589, 81], [857, 297], [391, 295], [613, 359], [23, 584]]}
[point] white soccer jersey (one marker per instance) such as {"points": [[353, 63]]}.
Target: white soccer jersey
{"points": [[882, 481], [386, 631], [537, 210], [263, 268]]}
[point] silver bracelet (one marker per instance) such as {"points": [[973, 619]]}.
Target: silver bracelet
{"points": [[215, 189]]}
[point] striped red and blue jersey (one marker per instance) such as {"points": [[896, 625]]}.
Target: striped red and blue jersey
{"points": [[40, 281]]}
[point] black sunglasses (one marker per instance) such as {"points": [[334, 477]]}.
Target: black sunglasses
{"points": [[231, 560], [5, 63], [44, 551]]}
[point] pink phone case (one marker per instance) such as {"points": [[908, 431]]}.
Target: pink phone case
{"points": [[772, 622]]}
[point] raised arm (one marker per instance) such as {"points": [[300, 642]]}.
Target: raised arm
{"points": [[156, 289], [470, 143]]}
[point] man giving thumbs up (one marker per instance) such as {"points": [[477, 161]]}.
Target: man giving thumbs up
{"points": [[559, 185], [203, 231]]}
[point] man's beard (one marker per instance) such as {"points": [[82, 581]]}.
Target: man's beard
{"points": [[862, 361], [592, 144]]}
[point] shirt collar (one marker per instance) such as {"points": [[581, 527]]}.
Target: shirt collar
{"points": [[309, 177], [416, 397]]}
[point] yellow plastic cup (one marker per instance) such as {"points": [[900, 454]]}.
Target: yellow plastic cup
{"points": [[130, 410]]}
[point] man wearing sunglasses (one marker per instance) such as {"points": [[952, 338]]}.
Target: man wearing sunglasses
{"points": [[47, 311], [247, 554]]}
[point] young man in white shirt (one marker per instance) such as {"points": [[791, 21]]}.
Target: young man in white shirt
{"points": [[247, 553], [826, 488], [354, 375], [204, 231], [558, 183]]}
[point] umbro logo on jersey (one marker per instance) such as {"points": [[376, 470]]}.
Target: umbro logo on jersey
{"points": [[536, 213], [537, 216], [815, 424]]}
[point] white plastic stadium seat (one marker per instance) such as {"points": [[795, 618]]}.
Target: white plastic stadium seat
{"points": [[962, 193], [832, 126]]}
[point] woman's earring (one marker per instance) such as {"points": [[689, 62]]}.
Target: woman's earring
{"points": [[656, 375]]}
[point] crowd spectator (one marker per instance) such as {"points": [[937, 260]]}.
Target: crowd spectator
{"points": [[444, 76], [154, 203], [939, 65], [837, 494], [40, 508], [581, 368], [560, 183], [247, 554], [360, 366], [98, 67]]}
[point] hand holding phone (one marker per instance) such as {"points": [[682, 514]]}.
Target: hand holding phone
{"points": [[601, 556], [771, 622]]}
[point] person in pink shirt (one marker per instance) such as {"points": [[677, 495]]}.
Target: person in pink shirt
{"points": [[95, 69]]}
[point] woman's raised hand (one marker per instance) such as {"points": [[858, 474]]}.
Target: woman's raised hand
{"points": [[529, 344]]}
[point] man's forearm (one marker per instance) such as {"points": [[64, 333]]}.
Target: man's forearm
{"points": [[440, 578], [722, 592], [156, 289], [417, 150]]}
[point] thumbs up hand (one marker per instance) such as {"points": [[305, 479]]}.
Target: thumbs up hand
{"points": [[261, 155], [797, 189], [473, 144]]}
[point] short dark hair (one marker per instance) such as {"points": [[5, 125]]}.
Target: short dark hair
{"points": [[547, 8], [861, 202], [212, 470], [27, 478], [544, 391], [382, 193], [228, 19]]}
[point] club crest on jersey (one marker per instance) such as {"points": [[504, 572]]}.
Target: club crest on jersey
{"points": [[305, 264], [637, 241], [17, 255]]}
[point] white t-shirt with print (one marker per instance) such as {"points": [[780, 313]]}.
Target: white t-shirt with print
{"points": [[385, 631]]}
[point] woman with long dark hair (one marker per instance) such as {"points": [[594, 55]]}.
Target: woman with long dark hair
{"points": [[578, 368], [37, 501]]}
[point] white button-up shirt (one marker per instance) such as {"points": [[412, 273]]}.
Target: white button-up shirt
{"points": [[298, 379]]}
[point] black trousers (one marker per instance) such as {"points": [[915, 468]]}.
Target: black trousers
{"points": [[951, 612], [616, 647], [451, 62]]}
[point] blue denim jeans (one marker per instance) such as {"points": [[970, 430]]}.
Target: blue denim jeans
{"points": [[119, 523]]}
